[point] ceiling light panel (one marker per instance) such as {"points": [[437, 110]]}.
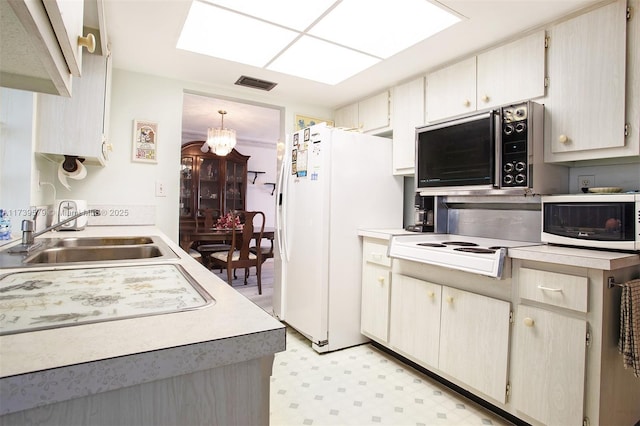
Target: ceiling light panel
{"points": [[214, 31], [381, 27], [290, 13], [321, 61]]}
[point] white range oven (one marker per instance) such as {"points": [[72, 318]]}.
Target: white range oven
{"points": [[479, 255]]}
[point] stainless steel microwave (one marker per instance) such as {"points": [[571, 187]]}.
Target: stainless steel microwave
{"points": [[604, 221], [499, 151]]}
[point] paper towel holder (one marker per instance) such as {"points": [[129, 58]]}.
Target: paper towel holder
{"points": [[69, 164]]}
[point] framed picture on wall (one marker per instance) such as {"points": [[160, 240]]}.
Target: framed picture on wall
{"points": [[303, 121], [145, 141]]}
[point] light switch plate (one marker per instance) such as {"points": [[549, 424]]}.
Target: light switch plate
{"points": [[160, 189]]}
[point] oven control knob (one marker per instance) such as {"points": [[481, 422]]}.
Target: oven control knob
{"points": [[508, 129], [520, 112], [520, 178], [520, 127], [520, 166], [508, 167], [508, 179]]}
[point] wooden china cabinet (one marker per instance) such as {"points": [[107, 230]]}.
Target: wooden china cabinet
{"points": [[208, 181]]}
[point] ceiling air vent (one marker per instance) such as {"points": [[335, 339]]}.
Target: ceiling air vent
{"points": [[255, 83]]}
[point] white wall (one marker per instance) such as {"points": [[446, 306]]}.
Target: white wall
{"points": [[625, 176], [263, 159], [19, 189], [145, 97]]}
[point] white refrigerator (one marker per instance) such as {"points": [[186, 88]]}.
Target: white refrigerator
{"points": [[331, 184]]}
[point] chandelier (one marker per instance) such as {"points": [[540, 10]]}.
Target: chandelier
{"points": [[220, 140]]}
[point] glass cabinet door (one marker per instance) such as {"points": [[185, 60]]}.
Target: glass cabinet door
{"points": [[209, 184], [235, 186], [186, 186]]}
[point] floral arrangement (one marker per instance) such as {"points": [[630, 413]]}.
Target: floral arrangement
{"points": [[227, 221]]}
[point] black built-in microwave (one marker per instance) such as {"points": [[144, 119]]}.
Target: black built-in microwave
{"points": [[495, 151]]}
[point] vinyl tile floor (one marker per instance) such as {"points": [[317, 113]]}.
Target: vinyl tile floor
{"points": [[361, 385]]}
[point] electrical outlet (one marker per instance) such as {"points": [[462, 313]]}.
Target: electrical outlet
{"points": [[586, 181]]}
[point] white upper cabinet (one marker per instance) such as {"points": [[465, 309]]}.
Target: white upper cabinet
{"points": [[78, 125], [512, 72], [509, 73], [586, 95], [370, 115], [347, 117], [452, 90], [40, 44], [408, 113]]}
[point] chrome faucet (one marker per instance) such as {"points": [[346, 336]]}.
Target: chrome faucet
{"points": [[28, 226]]}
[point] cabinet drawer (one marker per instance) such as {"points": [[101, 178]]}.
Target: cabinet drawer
{"points": [[376, 252], [563, 290]]}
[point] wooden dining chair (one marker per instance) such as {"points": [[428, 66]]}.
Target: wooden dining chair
{"points": [[204, 222], [239, 255]]}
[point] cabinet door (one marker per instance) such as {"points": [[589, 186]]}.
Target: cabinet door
{"points": [[452, 90], [415, 318], [236, 185], [512, 72], [375, 301], [549, 366], [209, 186], [408, 113], [586, 66], [347, 117], [374, 112], [474, 341], [76, 125], [186, 186]]}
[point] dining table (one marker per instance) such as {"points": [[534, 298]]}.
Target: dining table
{"points": [[216, 235]]}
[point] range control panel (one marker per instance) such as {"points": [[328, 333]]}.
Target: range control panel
{"points": [[514, 155]]}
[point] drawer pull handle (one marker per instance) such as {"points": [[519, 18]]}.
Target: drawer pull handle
{"points": [[540, 287], [529, 322], [381, 280], [449, 299], [431, 294]]}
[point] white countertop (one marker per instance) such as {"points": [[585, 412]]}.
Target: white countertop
{"points": [[595, 259], [384, 234], [231, 330]]}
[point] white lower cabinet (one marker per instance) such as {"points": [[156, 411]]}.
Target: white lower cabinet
{"points": [[376, 282], [376, 287], [462, 334], [474, 341], [549, 366], [415, 318]]}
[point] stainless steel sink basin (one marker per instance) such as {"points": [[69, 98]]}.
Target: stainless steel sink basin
{"points": [[93, 254], [67, 250], [103, 241]]}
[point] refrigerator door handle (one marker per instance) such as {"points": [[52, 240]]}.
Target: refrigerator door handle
{"points": [[282, 205]]}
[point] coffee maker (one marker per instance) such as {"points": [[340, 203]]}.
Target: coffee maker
{"points": [[423, 214]]}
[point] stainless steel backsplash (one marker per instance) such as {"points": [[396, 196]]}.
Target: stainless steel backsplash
{"points": [[509, 218]]}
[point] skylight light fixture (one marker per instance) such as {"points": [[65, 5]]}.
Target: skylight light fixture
{"points": [[324, 40], [220, 140]]}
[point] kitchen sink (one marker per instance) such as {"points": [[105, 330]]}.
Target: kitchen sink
{"points": [[93, 254], [74, 250], [103, 241]]}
